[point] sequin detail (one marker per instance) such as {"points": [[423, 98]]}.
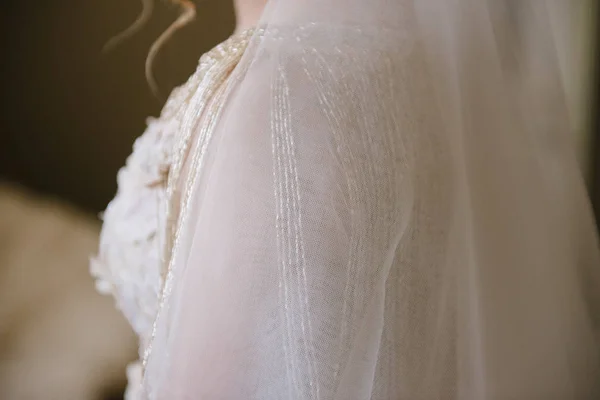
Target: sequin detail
{"points": [[141, 222]]}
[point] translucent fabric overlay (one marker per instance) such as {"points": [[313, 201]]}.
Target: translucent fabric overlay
{"points": [[389, 208]]}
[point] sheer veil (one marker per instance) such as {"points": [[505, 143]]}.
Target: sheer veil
{"points": [[389, 209]]}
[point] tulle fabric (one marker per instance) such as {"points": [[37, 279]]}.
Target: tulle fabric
{"points": [[390, 209]]}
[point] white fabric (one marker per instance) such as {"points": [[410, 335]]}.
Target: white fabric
{"points": [[389, 209], [132, 252], [129, 261]]}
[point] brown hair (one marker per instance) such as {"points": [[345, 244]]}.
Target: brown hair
{"points": [[187, 14]]}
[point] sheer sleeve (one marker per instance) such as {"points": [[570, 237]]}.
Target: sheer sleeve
{"points": [[294, 231], [384, 212]]}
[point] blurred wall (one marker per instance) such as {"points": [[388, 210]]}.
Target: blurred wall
{"points": [[582, 73], [70, 113], [595, 115]]}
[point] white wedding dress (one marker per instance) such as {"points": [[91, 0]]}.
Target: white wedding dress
{"points": [[130, 260], [362, 200]]}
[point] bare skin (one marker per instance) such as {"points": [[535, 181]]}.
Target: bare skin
{"points": [[248, 13]]}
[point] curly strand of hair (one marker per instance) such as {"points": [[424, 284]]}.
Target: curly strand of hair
{"points": [[188, 13], [142, 19]]}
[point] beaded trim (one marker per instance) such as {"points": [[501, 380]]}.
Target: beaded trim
{"points": [[203, 102]]}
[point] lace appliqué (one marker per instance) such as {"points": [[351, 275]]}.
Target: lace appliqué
{"points": [[139, 223]]}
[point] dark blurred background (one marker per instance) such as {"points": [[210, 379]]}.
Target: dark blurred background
{"points": [[71, 112], [69, 116]]}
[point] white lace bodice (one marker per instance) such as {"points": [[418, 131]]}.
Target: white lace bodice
{"points": [[130, 262]]}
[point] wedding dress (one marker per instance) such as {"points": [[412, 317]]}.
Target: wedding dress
{"points": [[362, 200], [129, 263]]}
